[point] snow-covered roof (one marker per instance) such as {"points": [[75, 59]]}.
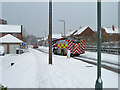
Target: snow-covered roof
{"points": [[70, 33], [110, 30], [10, 28], [56, 36], [80, 30], [9, 39], [45, 38]]}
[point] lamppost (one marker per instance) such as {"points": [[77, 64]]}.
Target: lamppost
{"points": [[64, 25], [99, 82]]}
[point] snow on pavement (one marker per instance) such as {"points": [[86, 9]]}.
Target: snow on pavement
{"points": [[31, 70], [22, 74]]}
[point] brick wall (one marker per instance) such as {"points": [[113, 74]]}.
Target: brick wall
{"points": [[18, 35]]}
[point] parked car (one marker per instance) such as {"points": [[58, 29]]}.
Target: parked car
{"points": [[19, 51], [35, 45], [2, 51]]}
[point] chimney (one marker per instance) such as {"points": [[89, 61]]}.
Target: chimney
{"points": [[113, 27], [80, 27]]}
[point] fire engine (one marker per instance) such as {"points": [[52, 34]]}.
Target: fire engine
{"points": [[76, 46]]}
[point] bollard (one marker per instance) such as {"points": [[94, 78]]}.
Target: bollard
{"points": [[68, 53]]}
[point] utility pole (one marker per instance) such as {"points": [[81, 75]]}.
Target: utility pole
{"points": [[99, 82], [50, 32]]}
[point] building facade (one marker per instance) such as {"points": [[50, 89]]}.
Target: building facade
{"points": [[10, 43], [15, 30]]}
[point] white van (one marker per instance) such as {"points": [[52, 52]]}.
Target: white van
{"points": [[2, 51]]}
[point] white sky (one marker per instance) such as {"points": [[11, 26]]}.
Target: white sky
{"points": [[58, 0], [34, 16]]}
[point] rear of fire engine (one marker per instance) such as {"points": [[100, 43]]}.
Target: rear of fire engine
{"points": [[76, 46]]}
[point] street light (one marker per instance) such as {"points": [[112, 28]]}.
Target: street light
{"points": [[99, 82], [64, 25]]}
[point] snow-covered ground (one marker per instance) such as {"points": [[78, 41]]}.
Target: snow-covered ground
{"points": [[31, 70], [111, 58], [104, 57]]}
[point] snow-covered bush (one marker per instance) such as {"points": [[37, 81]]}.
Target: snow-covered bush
{"points": [[2, 87]]}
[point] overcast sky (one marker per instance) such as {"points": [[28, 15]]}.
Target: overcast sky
{"points": [[34, 15]]}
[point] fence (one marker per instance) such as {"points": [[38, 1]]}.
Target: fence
{"points": [[104, 50]]}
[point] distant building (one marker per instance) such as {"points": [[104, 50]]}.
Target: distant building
{"points": [[2, 21], [15, 30], [86, 31], [111, 30], [110, 33]]}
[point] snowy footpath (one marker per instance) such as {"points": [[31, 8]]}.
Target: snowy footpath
{"points": [[31, 70]]}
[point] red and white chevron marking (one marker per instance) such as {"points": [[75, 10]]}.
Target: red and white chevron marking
{"points": [[70, 45], [76, 48], [82, 44]]}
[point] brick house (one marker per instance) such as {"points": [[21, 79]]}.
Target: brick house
{"points": [[87, 33], [109, 34], [15, 30]]}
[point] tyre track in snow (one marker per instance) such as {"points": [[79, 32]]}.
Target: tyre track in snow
{"points": [[101, 61], [116, 70]]}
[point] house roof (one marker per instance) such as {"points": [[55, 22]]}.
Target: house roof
{"points": [[10, 28], [9, 39], [70, 33], [109, 30], [80, 30]]}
